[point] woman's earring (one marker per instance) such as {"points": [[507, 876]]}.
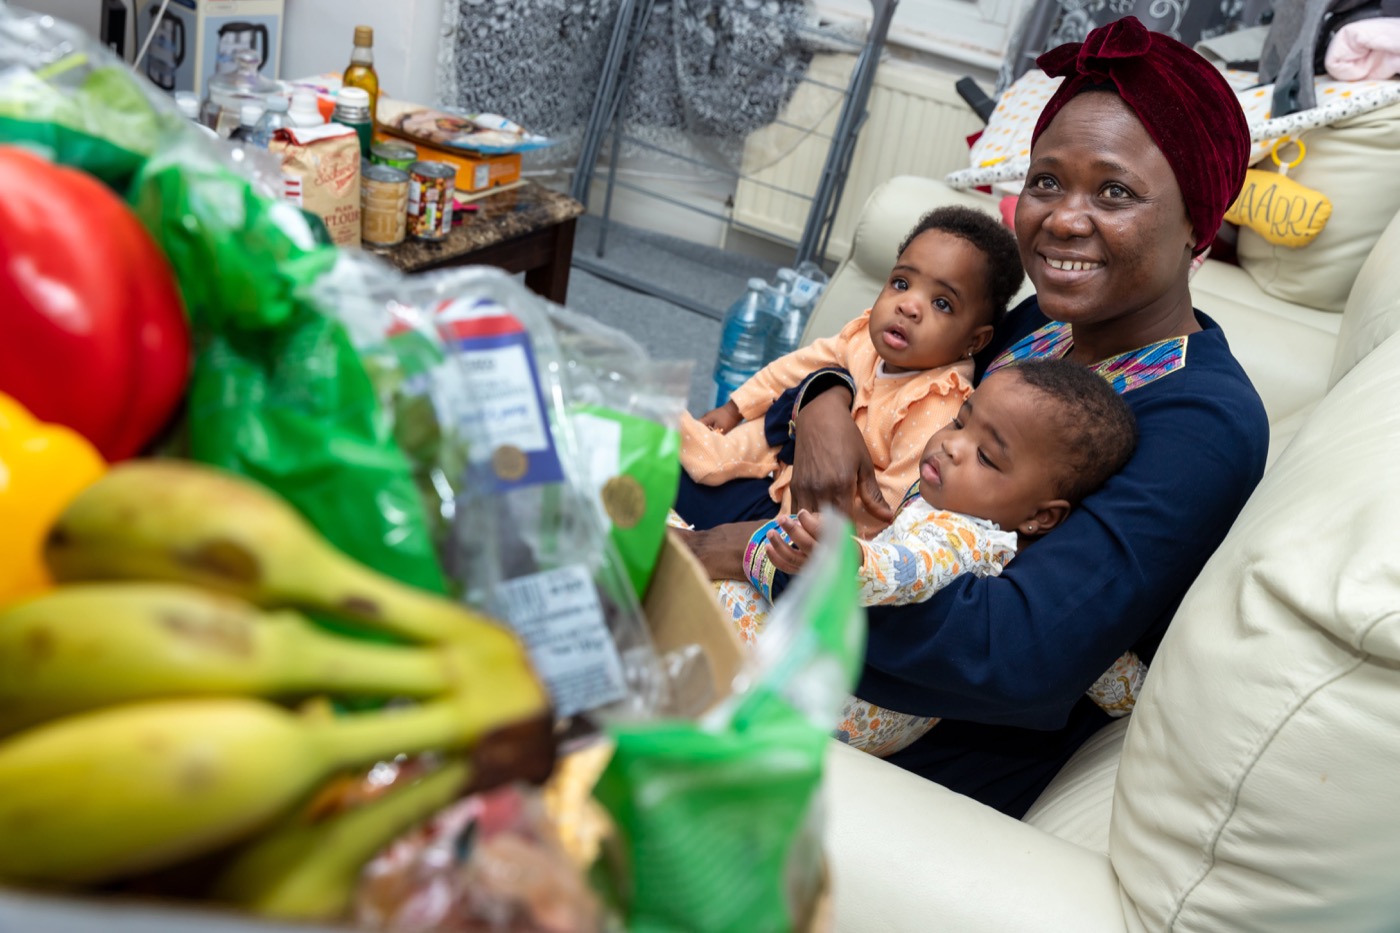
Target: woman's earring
{"points": [[1030, 529]]}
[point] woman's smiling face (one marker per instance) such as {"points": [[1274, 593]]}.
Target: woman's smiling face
{"points": [[1101, 223]]}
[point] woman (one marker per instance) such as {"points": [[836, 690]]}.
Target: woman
{"points": [[1133, 163]]}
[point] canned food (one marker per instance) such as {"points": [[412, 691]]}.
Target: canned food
{"points": [[430, 189], [396, 155], [383, 205]]}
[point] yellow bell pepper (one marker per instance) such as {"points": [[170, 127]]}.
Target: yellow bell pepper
{"points": [[42, 468]]}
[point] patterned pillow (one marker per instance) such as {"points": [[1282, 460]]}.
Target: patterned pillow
{"points": [[1002, 153]]}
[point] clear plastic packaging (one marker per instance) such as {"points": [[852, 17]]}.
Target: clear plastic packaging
{"points": [[488, 864], [626, 409], [481, 393]]}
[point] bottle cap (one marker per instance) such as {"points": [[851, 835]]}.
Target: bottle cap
{"points": [[757, 284], [364, 36], [250, 114], [278, 103], [188, 104], [353, 97]]}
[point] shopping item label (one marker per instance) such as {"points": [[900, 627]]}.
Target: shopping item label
{"points": [[499, 407], [558, 616], [600, 443]]}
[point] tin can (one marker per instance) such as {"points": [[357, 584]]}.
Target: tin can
{"points": [[383, 206], [396, 155], [430, 189]]}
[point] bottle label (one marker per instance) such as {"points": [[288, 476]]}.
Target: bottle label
{"points": [[805, 291]]}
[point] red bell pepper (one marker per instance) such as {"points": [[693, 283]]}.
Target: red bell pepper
{"points": [[92, 331]]}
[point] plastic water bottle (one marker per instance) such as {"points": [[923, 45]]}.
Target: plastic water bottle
{"points": [[274, 119], [743, 342], [810, 283], [248, 117], [304, 110], [802, 287]]}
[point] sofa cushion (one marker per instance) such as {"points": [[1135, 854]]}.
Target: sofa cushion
{"points": [[910, 855], [1355, 163], [1256, 789], [1285, 349], [1373, 309], [1282, 432], [1077, 803]]}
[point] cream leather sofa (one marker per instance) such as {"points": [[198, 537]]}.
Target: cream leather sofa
{"points": [[1257, 785]]}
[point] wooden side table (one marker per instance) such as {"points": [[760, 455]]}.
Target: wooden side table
{"points": [[526, 228]]}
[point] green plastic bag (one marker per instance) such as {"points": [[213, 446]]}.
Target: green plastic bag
{"points": [[80, 112], [278, 392], [636, 467], [717, 819], [293, 408]]}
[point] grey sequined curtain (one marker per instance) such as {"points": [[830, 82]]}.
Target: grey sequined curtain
{"points": [[713, 69]]}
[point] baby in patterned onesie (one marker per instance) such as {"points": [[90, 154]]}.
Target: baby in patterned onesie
{"points": [[1023, 450], [909, 356]]}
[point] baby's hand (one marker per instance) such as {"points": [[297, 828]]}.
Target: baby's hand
{"points": [[723, 419], [805, 529]]}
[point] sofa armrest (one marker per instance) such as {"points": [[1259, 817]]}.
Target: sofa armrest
{"points": [[907, 854]]}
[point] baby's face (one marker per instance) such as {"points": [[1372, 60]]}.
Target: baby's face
{"points": [[999, 459], [933, 310]]}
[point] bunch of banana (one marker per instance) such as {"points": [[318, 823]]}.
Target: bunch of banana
{"points": [[146, 709]]}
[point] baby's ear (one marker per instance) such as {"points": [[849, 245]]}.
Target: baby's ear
{"points": [[1047, 515], [978, 339]]}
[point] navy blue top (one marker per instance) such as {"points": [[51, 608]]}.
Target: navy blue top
{"points": [[1006, 660]]}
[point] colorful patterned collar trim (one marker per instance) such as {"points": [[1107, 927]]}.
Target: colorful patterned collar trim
{"points": [[1125, 372], [909, 496]]}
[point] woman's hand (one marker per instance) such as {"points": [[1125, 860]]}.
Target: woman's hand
{"points": [[723, 419], [805, 531], [831, 464], [720, 549]]}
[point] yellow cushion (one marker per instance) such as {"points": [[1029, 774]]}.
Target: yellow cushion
{"points": [[1279, 209]]}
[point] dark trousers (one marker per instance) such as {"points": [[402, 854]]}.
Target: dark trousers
{"points": [[739, 500]]}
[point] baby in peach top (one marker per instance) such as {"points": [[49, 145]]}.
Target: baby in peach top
{"points": [[910, 357]]}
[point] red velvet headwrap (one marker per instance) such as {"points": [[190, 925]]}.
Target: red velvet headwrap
{"points": [[1182, 100]]}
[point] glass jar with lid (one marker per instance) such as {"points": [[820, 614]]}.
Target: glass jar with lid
{"points": [[229, 92]]}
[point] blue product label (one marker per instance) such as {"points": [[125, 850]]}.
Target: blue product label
{"points": [[502, 413]]}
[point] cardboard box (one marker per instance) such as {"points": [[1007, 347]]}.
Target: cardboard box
{"points": [[197, 38], [475, 172]]}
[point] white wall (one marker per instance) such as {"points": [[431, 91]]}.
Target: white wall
{"points": [[84, 13], [318, 36]]}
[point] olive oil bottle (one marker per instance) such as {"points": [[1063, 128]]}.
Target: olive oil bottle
{"points": [[361, 72]]}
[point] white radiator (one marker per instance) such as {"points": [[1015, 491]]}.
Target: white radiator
{"points": [[917, 125]]}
